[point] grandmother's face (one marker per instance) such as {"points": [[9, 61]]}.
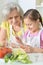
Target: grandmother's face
{"points": [[14, 18]]}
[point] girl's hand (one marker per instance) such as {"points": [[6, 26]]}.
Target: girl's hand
{"points": [[28, 49]]}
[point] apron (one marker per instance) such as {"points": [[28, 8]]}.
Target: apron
{"points": [[33, 41], [12, 37]]}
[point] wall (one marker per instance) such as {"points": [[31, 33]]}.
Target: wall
{"points": [[27, 4]]}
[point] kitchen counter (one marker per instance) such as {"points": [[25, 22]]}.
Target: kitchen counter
{"points": [[36, 58]]}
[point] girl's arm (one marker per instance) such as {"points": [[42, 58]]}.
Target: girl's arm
{"points": [[30, 49], [37, 50]]}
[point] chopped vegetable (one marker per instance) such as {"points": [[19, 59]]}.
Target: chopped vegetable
{"points": [[18, 54]]}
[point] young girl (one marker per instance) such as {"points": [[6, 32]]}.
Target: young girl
{"points": [[34, 35]]}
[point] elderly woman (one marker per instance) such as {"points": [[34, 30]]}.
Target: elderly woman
{"points": [[12, 21]]}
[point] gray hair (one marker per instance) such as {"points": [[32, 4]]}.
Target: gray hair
{"points": [[9, 7]]}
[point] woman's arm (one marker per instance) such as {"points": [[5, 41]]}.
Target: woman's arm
{"points": [[13, 45]]}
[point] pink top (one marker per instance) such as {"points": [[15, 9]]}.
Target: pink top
{"points": [[35, 34], [41, 40]]}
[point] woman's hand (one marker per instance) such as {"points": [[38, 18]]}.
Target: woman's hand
{"points": [[20, 42], [13, 45]]}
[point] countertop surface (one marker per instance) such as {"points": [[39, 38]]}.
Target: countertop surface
{"points": [[36, 58]]}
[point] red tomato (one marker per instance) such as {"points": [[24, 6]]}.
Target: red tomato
{"points": [[1, 54], [4, 51], [7, 50]]}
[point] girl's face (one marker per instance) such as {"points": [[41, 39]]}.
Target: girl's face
{"points": [[14, 18], [32, 26]]}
